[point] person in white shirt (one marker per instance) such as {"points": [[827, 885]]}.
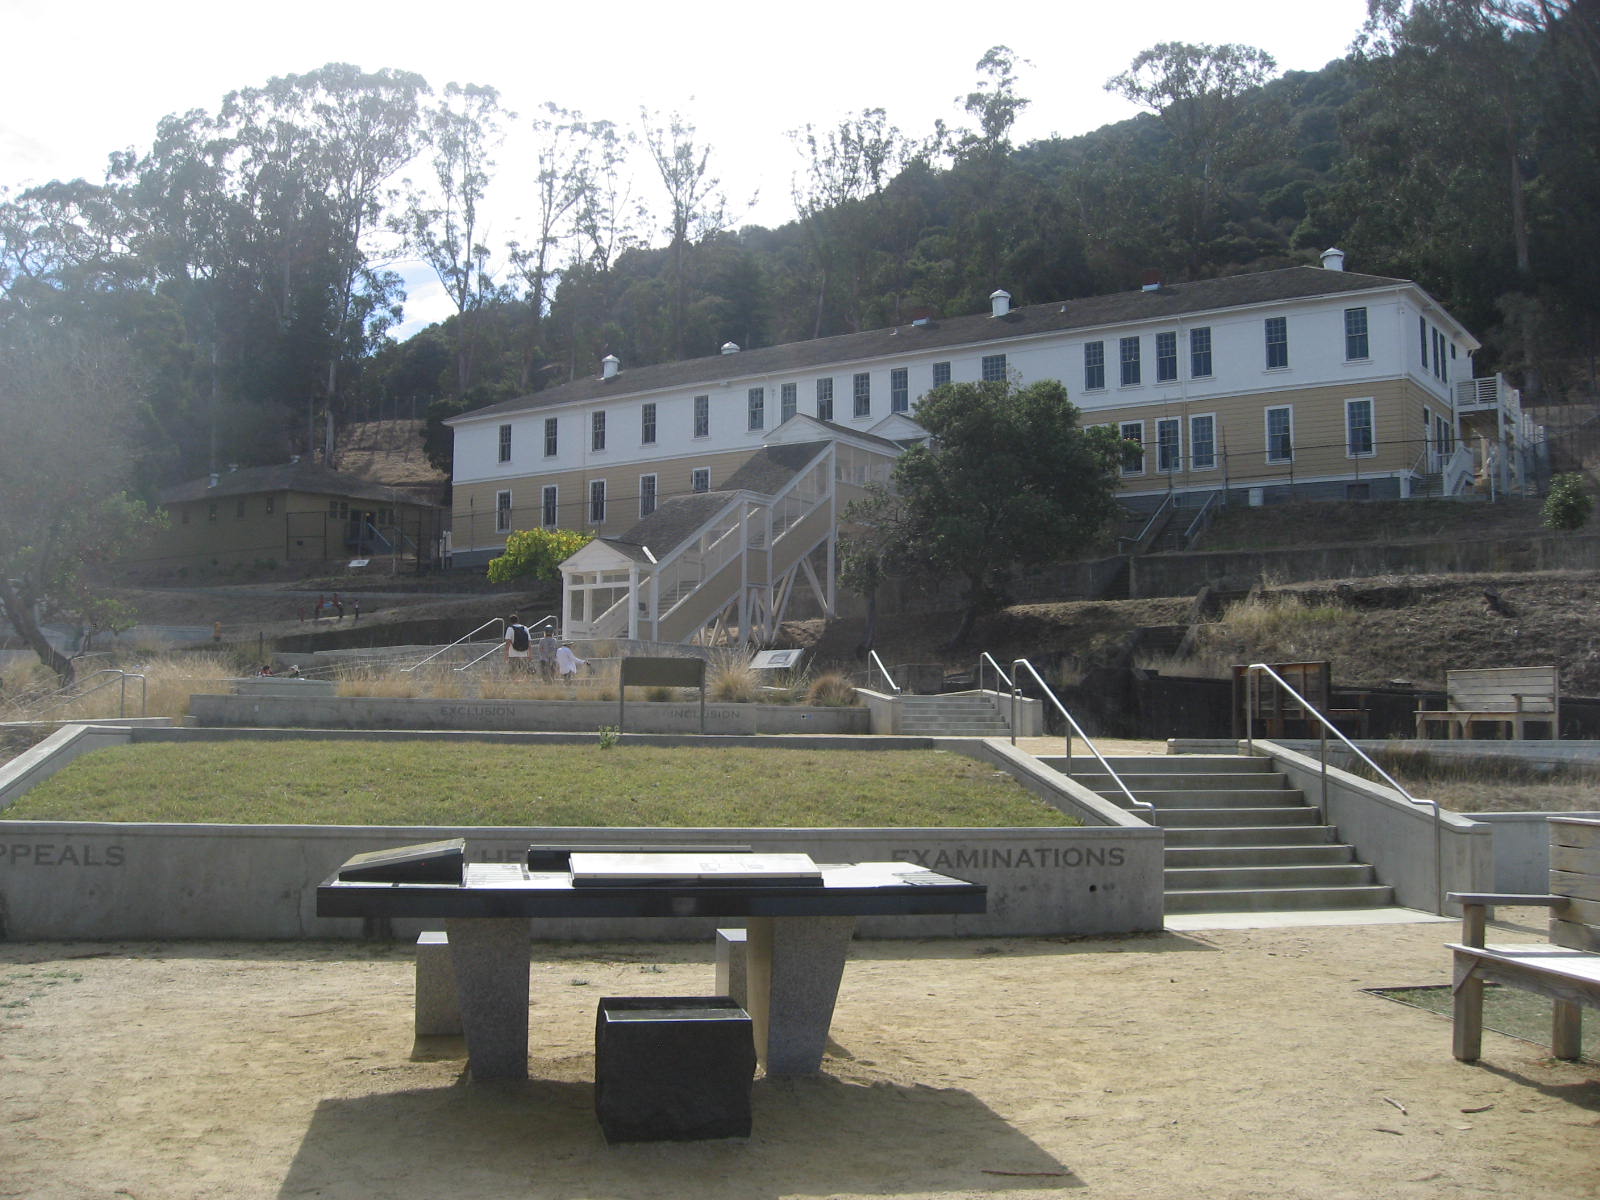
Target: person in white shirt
{"points": [[567, 662]]}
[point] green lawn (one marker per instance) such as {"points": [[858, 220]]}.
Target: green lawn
{"points": [[474, 784]]}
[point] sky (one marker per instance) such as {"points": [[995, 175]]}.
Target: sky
{"points": [[86, 79]]}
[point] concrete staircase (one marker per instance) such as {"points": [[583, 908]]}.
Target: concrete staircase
{"points": [[1238, 837], [955, 714]]}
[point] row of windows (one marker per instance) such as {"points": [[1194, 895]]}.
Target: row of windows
{"points": [[1437, 350], [1360, 439], [1275, 333], [549, 500], [993, 368]]}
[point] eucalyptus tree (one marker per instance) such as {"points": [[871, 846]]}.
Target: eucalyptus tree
{"points": [[697, 207], [839, 199], [443, 221], [1209, 100]]}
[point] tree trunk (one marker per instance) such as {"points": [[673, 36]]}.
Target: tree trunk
{"points": [[20, 614]]}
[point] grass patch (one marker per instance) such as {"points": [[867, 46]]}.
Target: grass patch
{"points": [[476, 784], [1506, 1010]]}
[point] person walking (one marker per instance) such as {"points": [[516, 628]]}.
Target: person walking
{"points": [[547, 656], [519, 645], [568, 663]]}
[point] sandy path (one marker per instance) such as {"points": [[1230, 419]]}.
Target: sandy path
{"points": [[1223, 1064]]}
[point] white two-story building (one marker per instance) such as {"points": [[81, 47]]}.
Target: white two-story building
{"points": [[1310, 382]]}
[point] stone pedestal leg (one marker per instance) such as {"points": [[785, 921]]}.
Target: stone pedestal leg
{"points": [[794, 965], [491, 962]]}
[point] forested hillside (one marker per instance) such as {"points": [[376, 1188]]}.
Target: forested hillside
{"points": [[228, 291]]}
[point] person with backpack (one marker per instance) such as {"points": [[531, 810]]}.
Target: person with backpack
{"points": [[519, 645]]}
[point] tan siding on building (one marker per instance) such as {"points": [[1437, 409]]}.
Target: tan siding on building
{"points": [[1319, 434]]}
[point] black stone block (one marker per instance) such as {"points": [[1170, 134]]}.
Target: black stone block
{"points": [[672, 1068]]}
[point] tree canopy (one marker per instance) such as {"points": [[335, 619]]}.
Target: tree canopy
{"points": [[1008, 479]]}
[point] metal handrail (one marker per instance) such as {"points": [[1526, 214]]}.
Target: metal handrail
{"points": [[466, 637], [1133, 801], [1201, 519], [495, 648], [122, 698], [874, 661], [1138, 539], [985, 657], [1254, 672]]}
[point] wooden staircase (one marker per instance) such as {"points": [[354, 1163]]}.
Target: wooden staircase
{"points": [[1238, 837]]}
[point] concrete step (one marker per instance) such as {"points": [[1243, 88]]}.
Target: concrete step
{"points": [[1318, 854], [1169, 764], [1278, 899], [1190, 818], [1194, 879], [1255, 781], [1215, 837], [1212, 797]]}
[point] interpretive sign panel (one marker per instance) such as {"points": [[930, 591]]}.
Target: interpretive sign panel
{"points": [[666, 869]]}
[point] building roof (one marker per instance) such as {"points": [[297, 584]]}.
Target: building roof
{"points": [[1164, 303], [313, 478]]}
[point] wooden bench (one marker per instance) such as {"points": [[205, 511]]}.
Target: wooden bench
{"points": [[1512, 696], [1566, 969]]}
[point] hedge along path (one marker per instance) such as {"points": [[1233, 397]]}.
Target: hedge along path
{"points": [[476, 783]]}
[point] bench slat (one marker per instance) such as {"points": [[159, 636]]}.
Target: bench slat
{"points": [[1576, 835], [1575, 936], [1578, 886]]}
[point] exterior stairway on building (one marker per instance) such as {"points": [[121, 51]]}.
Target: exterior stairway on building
{"points": [[955, 714], [1238, 837]]}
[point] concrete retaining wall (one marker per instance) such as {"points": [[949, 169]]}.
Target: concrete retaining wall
{"points": [[1400, 840], [103, 880], [1522, 849], [562, 716], [1184, 574]]}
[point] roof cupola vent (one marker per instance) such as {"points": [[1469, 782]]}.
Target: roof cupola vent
{"points": [[1333, 259], [609, 366], [999, 302], [730, 347]]}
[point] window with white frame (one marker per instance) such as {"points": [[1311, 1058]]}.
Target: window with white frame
{"points": [[647, 425], [700, 479], [1094, 366], [941, 373], [1169, 445], [597, 501], [1166, 357], [1128, 355], [1277, 330], [1356, 345], [861, 395], [548, 509], [597, 431], [702, 416], [993, 368], [788, 401], [1358, 420], [756, 408], [549, 437], [899, 390], [1280, 434], [825, 399], [1200, 353], [505, 443], [1132, 447], [647, 495], [502, 512], [1422, 336], [1203, 442]]}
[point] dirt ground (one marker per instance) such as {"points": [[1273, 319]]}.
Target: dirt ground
{"points": [[1226, 1063]]}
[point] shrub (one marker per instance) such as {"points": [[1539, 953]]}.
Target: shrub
{"points": [[732, 679], [536, 553], [1567, 506], [832, 690]]}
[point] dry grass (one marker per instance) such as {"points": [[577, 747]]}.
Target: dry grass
{"points": [[731, 679], [832, 690], [31, 692], [1489, 784]]}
